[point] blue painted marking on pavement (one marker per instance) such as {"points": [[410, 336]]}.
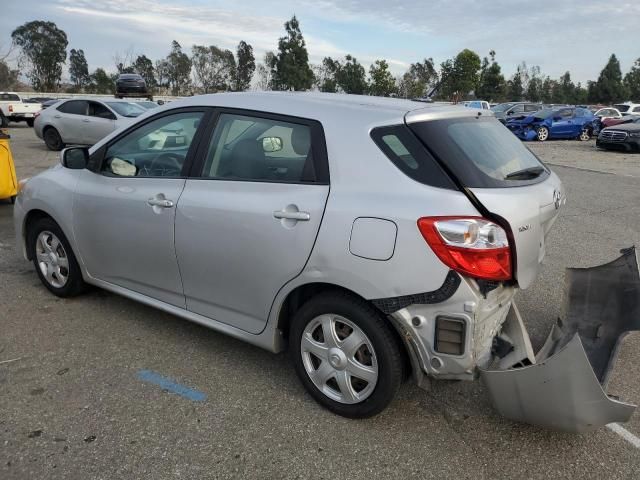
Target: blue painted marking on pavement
{"points": [[171, 386]]}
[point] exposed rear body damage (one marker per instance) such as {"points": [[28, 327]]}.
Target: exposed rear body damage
{"points": [[565, 386]]}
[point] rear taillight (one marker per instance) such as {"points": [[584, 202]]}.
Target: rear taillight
{"points": [[472, 246], [10, 108]]}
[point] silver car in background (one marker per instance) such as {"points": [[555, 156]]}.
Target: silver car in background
{"points": [[83, 121], [370, 236]]}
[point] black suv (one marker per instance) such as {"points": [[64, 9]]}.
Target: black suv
{"points": [[504, 111], [131, 85]]}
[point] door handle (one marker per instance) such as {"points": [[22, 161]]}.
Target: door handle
{"points": [[160, 202], [86, 120], [299, 216], [57, 116]]}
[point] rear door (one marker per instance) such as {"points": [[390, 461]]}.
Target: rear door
{"points": [[563, 123], [99, 123], [505, 178], [68, 120], [247, 222]]}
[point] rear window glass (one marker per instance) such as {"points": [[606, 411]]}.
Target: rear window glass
{"points": [[75, 107], [480, 152], [622, 108], [406, 152]]}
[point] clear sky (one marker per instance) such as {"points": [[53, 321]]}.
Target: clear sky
{"points": [[557, 35]]}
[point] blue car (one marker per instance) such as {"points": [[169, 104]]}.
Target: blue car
{"points": [[566, 122]]}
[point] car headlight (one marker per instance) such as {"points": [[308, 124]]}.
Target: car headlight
{"points": [[635, 134]]}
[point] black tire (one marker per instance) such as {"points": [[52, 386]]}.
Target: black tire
{"points": [[542, 134], [381, 335], [4, 123], [12, 200], [52, 139], [75, 284], [30, 122]]}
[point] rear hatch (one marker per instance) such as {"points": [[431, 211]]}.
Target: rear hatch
{"points": [[506, 182]]}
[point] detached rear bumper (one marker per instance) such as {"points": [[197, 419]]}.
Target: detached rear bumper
{"points": [[564, 386]]}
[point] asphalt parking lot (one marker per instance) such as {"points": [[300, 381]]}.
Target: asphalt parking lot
{"points": [[75, 403]]}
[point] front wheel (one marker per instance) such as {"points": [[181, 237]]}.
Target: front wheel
{"points": [[584, 135], [53, 259], [542, 134], [346, 355]]}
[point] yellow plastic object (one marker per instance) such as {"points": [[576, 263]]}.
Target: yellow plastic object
{"points": [[8, 180]]}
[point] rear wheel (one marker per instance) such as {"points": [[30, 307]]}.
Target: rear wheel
{"points": [[30, 122], [52, 139], [584, 135], [4, 123], [55, 263], [542, 134], [346, 355]]}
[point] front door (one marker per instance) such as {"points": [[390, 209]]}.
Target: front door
{"points": [[69, 120], [247, 224], [563, 123], [125, 210]]}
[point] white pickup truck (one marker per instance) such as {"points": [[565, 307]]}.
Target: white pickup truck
{"points": [[13, 109]]}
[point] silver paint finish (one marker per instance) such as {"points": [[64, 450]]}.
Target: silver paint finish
{"points": [[123, 239], [52, 259], [373, 238]]}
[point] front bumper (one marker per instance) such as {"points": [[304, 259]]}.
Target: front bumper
{"points": [[523, 132], [628, 145]]}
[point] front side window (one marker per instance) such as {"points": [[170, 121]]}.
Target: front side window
{"points": [[260, 149], [126, 109], [565, 113], [98, 110], [517, 109], [531, 108], [74, 107], [156, 149]]}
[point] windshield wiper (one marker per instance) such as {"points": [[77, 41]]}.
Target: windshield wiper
{"points": [[525, 173]]}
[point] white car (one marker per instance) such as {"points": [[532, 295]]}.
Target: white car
{"points": [[628, 108], [608, 112], [83, 121], [13, 109]]}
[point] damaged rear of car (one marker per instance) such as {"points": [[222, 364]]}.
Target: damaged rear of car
{"points": [[471, 327]]}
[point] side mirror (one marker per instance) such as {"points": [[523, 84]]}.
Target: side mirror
{"points": [[271, 144], [75, 158]]}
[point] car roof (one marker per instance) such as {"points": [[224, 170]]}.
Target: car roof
{"points": [[327, 106]]}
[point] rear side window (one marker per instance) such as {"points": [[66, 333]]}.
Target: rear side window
{"points": [[9, 97], [406, 152], [74, 107], [480, 152]]}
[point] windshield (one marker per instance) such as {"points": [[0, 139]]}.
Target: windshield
{"points": [[502, 107], [480, 152], [126, 109], [622, 108], [544, 113]]}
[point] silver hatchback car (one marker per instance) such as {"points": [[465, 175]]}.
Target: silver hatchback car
{"points": [[373, 237]]}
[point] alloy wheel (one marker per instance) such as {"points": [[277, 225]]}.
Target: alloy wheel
{"points": [[52, 259], [584, 135], [543, 134], [339, 359]]}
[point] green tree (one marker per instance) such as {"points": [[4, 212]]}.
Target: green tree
{"points": [[8, 77], [460, 75], [143, 66], [214, 68], [325, 75], [382, 83], [178, 70], [632, 81], [265, 71], [609, 87], [534, 89], [567, 89], [246, 65], [351, 76], [491, 85], [515, 88], [78, 69], [43, 51], [292, 70], [420, 76], [101, 82]]}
